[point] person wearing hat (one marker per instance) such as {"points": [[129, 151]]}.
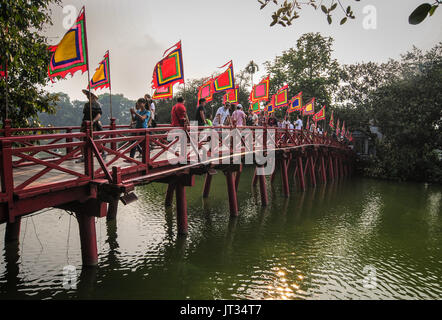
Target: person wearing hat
{"points": [[96, 116], [96, 112], [238, 116]]}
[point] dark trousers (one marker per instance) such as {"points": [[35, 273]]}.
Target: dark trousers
{"points": [[139, 147]]}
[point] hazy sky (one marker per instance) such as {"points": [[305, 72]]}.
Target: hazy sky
{"points": [[137, 32]]}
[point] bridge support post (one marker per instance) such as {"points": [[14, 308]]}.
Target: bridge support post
{"points": [[336, 168], [169, 194], [285, 178], [112, 210], [88, 239], [312, 171], [255, 178], [207, 184], [330, 168], [263, 190], [181, 208], [231, 190], [323, 172], [238, 177], [12, 233], [301, 173], [341, 169]]}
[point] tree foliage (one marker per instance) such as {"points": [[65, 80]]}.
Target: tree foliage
{"points": [[24, 50], [289, 10], [309, 67]]}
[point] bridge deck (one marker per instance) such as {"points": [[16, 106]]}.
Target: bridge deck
{"points": [[43, 169]]}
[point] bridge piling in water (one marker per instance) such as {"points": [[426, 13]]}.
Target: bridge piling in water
{"points": [[263, 190], [12, 233], [285, 178], [181, 208], [169, 194], [112, 210], [207, 184], [231, 191], [301, 173]]}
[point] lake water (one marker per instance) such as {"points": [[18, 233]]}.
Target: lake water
{"points": [[357, 239]]}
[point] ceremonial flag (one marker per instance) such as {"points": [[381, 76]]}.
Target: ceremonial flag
{"points": [[70, 55], [163, 93], [280, 99], [232, 95], [226, 80], [308, 123], [320, 115], [206, 91], [331, 124], [260, 91], [309, 108], [351, 137], [101, 77], [343, 129], [337, 128], [169, 70], [295, 103], [255, 107]]}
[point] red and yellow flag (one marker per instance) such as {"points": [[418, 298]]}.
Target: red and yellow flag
{"points": [[163, 93], [170, 69], [295, 103], [280, 99], [331, 123], [70, 55], [226, 80], [260, 91], [309, 108], [101, 77], [206, 91], [320, 115], [232, 95]]}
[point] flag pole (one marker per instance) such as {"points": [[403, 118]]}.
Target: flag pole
{"points": [[88, 73], [110, 85]]}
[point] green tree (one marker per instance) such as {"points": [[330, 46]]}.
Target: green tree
{"points": [[24, 50], [289, 10], [308, 67]]}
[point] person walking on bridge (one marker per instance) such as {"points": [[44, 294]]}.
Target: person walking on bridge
{"points": [[201, 113], [222, 116], [179, 114], [142, 118], [238, 116], [96, 116]]}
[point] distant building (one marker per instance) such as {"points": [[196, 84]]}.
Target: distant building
{"points": [[363, 143]]}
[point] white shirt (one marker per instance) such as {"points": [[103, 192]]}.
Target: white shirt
{"points": [[255, 119], [291, 126], [298, 124], [286, 124], [223, 112], [152, 109]]}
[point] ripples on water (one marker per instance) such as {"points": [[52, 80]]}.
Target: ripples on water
{"points": [[321, 244]]}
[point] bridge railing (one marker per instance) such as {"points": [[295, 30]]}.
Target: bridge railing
{"points": [[43, 162]]}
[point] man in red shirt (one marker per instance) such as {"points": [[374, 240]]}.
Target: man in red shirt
{"points": [[179, 114]]}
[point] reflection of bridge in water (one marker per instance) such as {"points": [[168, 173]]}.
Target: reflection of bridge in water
{"points": [[40, 168]]}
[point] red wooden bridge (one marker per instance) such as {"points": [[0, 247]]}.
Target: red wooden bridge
{"points": [[40, 168]]}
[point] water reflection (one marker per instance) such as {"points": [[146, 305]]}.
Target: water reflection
{"points": [[314, 244]]}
